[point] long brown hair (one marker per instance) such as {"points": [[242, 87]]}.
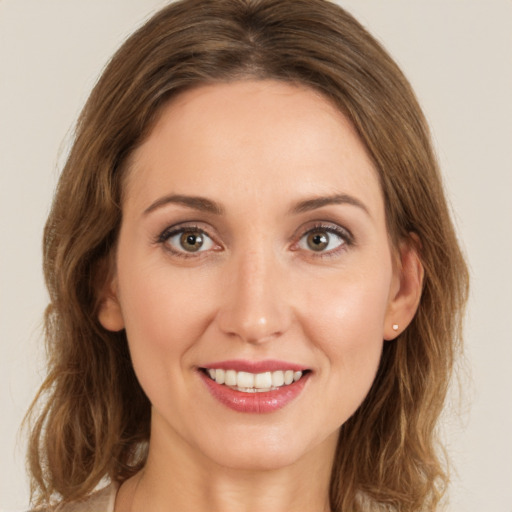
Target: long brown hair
{"points": [[91, 418]]}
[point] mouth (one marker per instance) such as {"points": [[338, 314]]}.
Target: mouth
{"points": [[248, 382], [255, 386]]}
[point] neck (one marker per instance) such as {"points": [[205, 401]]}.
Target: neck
{"points": [[177, 478]]}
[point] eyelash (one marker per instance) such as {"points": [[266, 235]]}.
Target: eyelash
{"points": [[344, 234], [168, 233], [332, 229]]}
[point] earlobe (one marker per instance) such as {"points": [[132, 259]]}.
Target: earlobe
{"points": [[406, 293], [109, 311]]}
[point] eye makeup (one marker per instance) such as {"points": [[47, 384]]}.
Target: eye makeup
{"points": [[192, 240]]}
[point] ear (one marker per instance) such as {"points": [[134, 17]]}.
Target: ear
{"points": [[406, 288], [110, 313]]}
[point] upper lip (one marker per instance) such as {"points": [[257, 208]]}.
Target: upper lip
{"points": [[242, 365]]}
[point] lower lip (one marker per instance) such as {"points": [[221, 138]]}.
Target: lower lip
{"points": [[256, 403]]}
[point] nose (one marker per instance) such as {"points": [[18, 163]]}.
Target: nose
{"points": [[255, 306]]}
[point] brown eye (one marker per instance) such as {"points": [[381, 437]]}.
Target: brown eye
{"points": [[191, 241], [322, 240], [317, 240], [187, 240]]}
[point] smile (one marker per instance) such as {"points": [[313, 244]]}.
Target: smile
{"points": [[254, 386], [247, 382]]}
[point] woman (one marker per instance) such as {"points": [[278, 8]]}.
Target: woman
{"points": [[255, 285]]}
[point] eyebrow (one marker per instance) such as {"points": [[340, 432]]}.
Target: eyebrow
{"points": [[207, 205], [319, 202], [194, 202]]}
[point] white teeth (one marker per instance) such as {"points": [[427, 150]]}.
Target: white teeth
{"points": [[230, 379], [263, 380], [277, 379], [245, 380], [254, 382], [220, 376]]}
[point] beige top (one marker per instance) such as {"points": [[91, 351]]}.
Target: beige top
{"points": [[100, 501]]}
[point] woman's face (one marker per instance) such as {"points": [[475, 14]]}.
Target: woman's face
{"points": [[253, 242]]}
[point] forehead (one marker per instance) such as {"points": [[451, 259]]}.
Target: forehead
{"points": [[248, 139]]}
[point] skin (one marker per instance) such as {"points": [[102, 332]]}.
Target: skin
{"points": [[255, 290]]}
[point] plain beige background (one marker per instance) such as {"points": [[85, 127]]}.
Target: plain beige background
{"points": [[458, 56]]}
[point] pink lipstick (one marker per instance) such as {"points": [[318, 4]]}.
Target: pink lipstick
{"points": [[254, 386]]}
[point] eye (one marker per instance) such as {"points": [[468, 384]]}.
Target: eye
{"points": [[322, 240], [187, 240]]}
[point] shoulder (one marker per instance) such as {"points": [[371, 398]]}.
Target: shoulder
{"points": [[100, 501]]}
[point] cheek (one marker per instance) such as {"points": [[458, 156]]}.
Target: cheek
{"points": [[345, 319], [164, 314], [348, 307]]}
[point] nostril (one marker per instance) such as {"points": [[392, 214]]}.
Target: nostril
{"points": [[254, 329]]}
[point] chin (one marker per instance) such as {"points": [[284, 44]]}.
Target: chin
{"points": [[256, 460], [266, 452]]}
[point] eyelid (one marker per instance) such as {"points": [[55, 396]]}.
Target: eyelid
{"points": [[191, 226], [180, 228], [330, 227]]}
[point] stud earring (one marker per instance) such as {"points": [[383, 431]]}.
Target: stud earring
{"points": [[395, 327]]}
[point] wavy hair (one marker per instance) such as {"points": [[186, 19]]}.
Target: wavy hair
{"points": [[91, 419]]}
